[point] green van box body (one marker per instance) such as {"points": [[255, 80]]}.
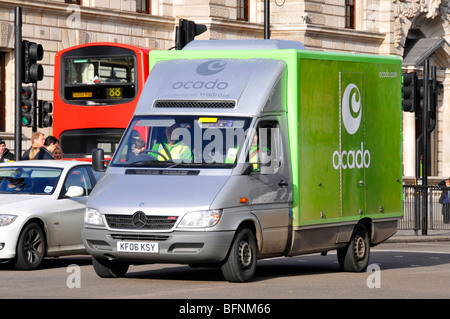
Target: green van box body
{"points": [[337, 176]]}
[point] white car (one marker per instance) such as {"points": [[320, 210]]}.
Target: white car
{"points": [[42, 207]]}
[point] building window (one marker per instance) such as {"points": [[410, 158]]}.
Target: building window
{"points": [[350, 14], [143, 6], [242, 10], [73, 1]]}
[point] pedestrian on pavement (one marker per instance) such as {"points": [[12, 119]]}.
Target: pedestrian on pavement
{"points": [[5, 153], [445, 200], [37, 140], [46, 151], [57, 153]]}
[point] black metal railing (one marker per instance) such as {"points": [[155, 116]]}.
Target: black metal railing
{"points": [[425, 208]]}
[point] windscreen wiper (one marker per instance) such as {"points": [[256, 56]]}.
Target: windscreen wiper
{"points": [[152, 162]]}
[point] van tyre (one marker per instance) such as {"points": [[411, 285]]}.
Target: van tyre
{"points": [[31, 247], [240, 264], [355, 256], [105, 268]]}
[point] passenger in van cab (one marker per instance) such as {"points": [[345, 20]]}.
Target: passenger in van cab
{"points": [[253, 154], [172, 148], [139, 146]]}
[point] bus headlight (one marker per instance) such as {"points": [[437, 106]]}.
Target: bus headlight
{"points": [[201, 219], [93, 218]]}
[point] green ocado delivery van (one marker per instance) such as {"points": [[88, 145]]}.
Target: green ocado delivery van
{"points": [[253, 149]]}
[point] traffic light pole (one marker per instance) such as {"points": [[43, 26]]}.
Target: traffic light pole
{"points": [[266, 19], [18, 83], [35, 117], [425, 119]]}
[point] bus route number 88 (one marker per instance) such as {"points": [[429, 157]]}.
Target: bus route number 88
{"points": [[114, 93]]}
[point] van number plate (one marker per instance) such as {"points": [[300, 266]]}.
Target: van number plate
{"points": [[137, 247]]}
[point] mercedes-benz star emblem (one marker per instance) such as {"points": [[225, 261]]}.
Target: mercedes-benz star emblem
{"points": [[139, 219]]}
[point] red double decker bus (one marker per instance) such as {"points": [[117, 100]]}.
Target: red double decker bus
{"points": [[96, 88]]}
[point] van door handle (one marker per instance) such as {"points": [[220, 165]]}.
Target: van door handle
{"points": [[282, 183]]}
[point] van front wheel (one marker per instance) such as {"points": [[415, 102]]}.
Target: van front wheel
{"points": [[240, 265], [355, 256], [105, 268]]}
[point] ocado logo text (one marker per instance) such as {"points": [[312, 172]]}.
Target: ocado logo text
{"points": [[351, 118], [351, 159], [207, 68], [198, 85]]}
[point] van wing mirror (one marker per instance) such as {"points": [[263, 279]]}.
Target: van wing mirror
{"points": [[98, 160], [266, 165], [248, 169]]}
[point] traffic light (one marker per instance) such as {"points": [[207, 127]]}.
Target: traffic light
{"points": [[186, 32], [44, 118], [420, 92], [409, 92], [32, 71], [436, 89], [27, 106]]}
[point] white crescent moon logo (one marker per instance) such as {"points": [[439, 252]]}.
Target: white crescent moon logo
{"points": [[211, 67], [351, 123]]}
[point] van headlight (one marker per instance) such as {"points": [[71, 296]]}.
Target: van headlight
{"points": [[93, 218], [5, 220], [201, 219]]}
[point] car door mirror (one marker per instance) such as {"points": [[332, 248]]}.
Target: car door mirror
{"points": [[75, 191]]}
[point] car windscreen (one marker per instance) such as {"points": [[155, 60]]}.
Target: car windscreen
{"points": [[28, 180]]}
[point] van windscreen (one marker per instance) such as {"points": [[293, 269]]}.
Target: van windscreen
{"points": [[184, 140]]}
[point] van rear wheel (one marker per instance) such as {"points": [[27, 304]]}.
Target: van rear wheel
{"points": [[105, 268], [240, 265], [355, 256]]}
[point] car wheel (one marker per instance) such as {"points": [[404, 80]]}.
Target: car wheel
{"points": [[240, 265], [109, 268], [355, 256], [31, 247]]}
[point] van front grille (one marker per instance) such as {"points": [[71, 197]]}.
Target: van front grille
{"points": [[145, 222], [139, 237]]}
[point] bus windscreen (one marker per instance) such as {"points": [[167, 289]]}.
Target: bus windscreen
{"points": [[99, 78], [80, 143]]}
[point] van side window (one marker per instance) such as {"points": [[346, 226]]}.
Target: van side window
{"points": [[264, 153]]}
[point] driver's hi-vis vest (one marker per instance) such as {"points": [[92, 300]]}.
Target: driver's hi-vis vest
{"points": [[177, 151]]}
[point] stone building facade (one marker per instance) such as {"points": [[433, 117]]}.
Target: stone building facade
{"points": [[411, 29]]}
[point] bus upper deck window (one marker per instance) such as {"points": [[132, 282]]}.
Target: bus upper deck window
{"points": [[99, 70]]}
